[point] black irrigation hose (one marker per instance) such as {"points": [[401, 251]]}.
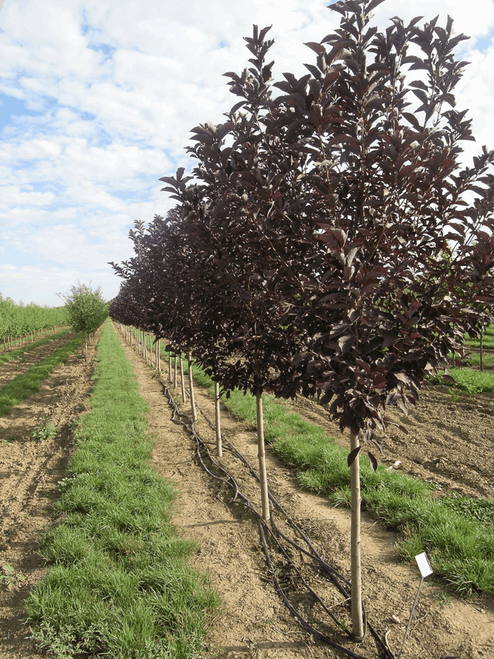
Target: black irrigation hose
{"points": [[337, 579]]}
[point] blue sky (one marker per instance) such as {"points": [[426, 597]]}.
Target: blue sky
{"points": [[97, 100]]}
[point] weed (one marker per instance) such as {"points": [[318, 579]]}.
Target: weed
{"points": [[10, 577], [455, 395], [468, 380], [43, 428], [442, 598]]}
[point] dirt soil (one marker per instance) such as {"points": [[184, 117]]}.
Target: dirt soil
{"points": [[29, 474], [254, 622]]}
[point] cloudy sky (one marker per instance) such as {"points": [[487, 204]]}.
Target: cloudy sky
{"points": [[97, 100]]}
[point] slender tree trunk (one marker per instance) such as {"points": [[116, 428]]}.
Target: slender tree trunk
{"points": [[169, 367], [182, 381], [191, 387], [481, 351], [175, 371], [158, 355], [261, 454], [219, 446], [356, 567]]}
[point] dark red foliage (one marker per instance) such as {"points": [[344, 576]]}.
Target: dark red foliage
{"points": [[329, 240]]}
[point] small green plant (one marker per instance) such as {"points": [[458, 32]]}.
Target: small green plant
{"points": [[63, 484], [454, 395], [9, 577], [43, 428], [443, 598]]}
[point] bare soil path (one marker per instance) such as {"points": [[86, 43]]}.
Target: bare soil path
{"points": [[255, 623]]}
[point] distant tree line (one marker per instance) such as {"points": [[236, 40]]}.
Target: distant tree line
{"points": [[19, 321]]}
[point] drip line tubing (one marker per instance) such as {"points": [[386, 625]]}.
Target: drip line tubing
{"points": [[273, 533]]}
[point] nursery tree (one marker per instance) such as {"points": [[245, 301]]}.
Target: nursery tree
{"points": [[86, 309], [360, 217], [403, 248], [226, 220]]}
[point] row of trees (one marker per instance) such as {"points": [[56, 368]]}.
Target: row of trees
{"points": [[330, 242], [18, 321]]}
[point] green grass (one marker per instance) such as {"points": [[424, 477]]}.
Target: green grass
{"points": [[19, 352], [28, 383], [488, 342], [469, 381], [488, 339], [474, 360], [118, 583]]}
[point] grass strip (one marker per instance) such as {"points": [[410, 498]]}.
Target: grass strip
{"points": [[468, 380], [457, 532], [118, 584], [19, 352], [474, 360], [28, 383], [487, 339]]}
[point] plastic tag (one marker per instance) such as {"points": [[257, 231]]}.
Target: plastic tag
{"points": [[424, 565]]}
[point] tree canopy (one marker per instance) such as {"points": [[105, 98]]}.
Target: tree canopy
{"points": [[86, 309], [330, 240], [331, 233]]}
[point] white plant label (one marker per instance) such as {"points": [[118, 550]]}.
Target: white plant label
{"points": [[424, 565]]}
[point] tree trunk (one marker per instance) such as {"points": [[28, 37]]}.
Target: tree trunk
{"points": [[261, 454], [182, 381], [481, 351], [191, 387], [219, 446], [357, 618]]}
